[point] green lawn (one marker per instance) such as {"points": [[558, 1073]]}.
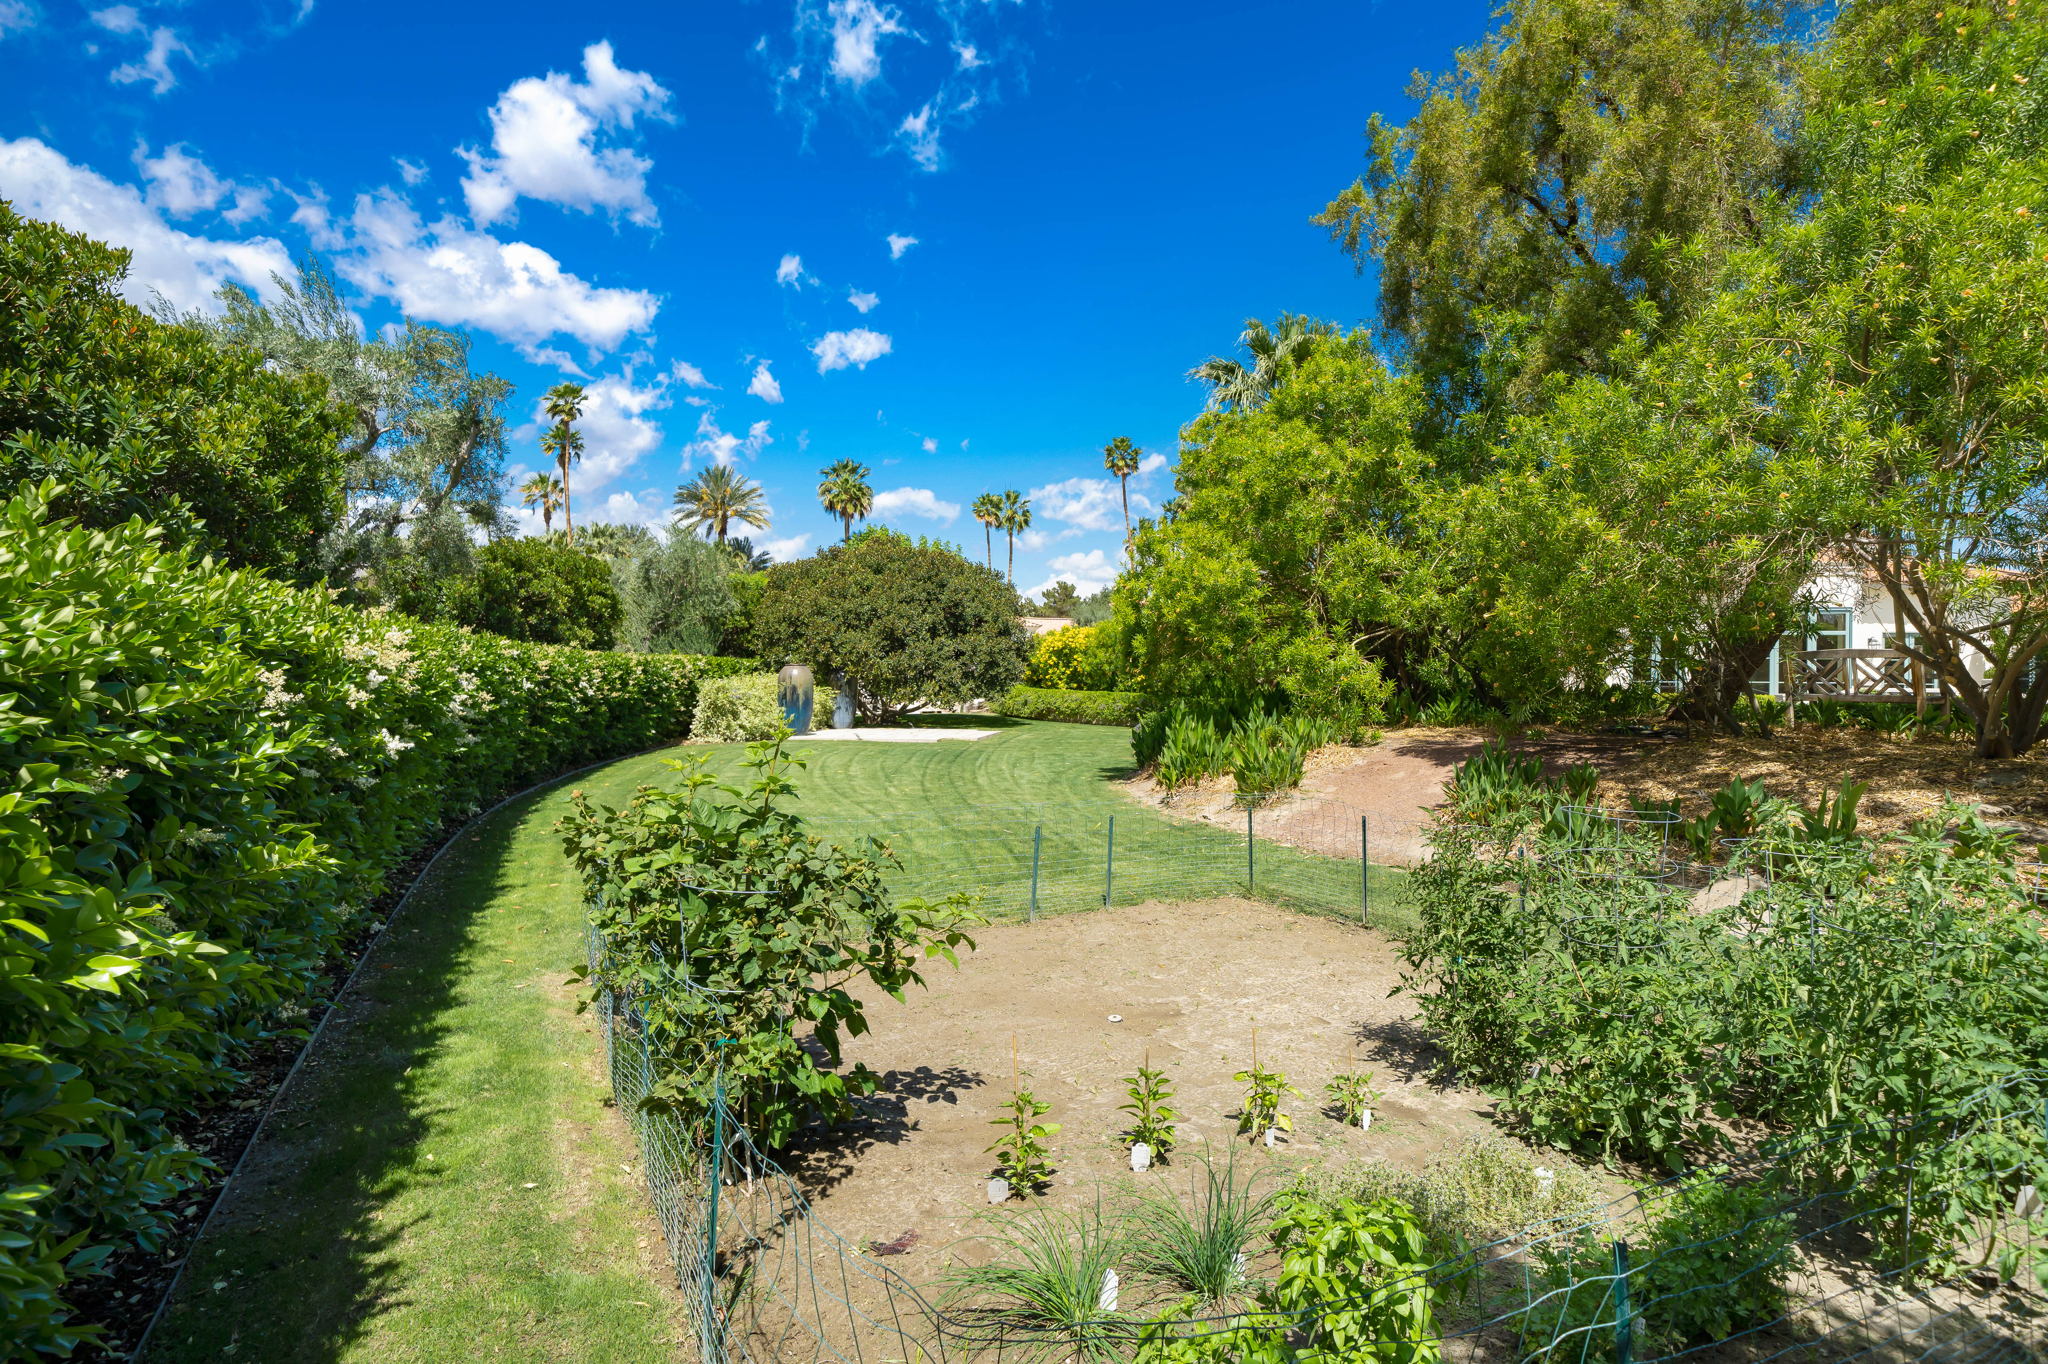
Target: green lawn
{"points": [[447, 1181]]}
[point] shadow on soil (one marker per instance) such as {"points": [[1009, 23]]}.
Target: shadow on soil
{"points": [[298, 1261], [821, 1159]]}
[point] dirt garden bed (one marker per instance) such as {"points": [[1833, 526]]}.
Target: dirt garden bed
{"points": [[1189, 982]]}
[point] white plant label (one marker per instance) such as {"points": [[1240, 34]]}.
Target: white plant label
{"points": [[1272, 1137], [2028, 1204], [1105, 1301], [1365, 1120], [1545, 1179], [1141, 1156], [999, 1191]]}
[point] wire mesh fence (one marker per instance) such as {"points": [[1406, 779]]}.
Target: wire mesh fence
{"points": [[1925, 1239], [1025, 861]]}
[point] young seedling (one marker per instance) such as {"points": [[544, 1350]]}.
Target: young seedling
{"points": [[1353, 1097], [1260, 1115], [1023, 1159], [1151, 1119]]}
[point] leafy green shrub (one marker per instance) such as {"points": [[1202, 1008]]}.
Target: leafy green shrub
{"points": [[743, 921], [905, 623], [1351, 1287], [1074, 707], [207, 779], [1714, 1264], [544, 591], [1076, 658], [675, 597], [743, 709], [134, 417]]}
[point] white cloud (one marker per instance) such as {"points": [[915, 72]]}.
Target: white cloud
{"points": [[445, 272], [864, 302], [1151, 464], [915, 502], [782, 551], [919, 134], [544, 142], [411, 171], [716, 446], [16, 15], [858, 27], [1089, 503], [838, 350], [185, 269], [763, 385], [1089, 571], [898, 244], [154, 65], [690, 375], [968, 56], [179, 183], [931, 446], [790, 271]]}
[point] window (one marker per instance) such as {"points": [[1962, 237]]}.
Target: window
{"points": [[1830, 628]]}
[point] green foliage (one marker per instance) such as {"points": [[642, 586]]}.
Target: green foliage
{"points": [[1714, 1264], [1350, 1287], [1352, 1094], [1857, 983], [1046, 1278], [422, 435], [1023, 1153], [1077, 658], [905, 623], [1585, 167], [542, 591], [1074, 707], [1200, 1247], [1150, 1093], [1265, 1090], [210, 778], [132, 417], [675, 597], [745, 709], [725, 920], [1188, 742]]}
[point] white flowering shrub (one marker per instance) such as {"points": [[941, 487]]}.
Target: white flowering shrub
{"points": [[207, 780], [734, 710]]}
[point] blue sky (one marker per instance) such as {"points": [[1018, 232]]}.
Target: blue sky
{"points": [[965, 242]]}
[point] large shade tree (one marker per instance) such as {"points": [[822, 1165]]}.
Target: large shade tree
{"points": [[904, 624], [1592, 162]]}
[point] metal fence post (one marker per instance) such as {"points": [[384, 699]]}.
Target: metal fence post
{"points": [[1624, 1327], [1251, 857], [1109, 868], [710, 1347], [1364, 871], [1037, 846]]}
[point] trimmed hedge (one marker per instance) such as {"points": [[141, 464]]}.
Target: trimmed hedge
{"points": [[1076, 707], [207, 779], [748, 709]]}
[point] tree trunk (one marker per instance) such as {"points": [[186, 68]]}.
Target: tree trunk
{"points": [[1013, 559], [568, 520], [1124, 482], [1719, 682]]}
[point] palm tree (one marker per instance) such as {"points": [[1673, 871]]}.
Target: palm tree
{"points": [[717, 498], [1016, 520], [543, 491], [1120, 457], [564, 403], [749, 559], [1275, 352], [988, 509], [612, 542], [845, 493]]}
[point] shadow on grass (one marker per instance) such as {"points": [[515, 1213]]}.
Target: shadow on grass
{"points": [[977, 721], [302, 1257]]}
